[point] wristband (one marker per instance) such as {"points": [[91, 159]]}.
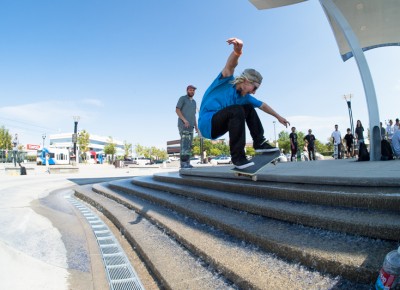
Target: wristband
{"points": [[237, 53]]}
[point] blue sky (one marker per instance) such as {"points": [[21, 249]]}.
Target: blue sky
{"points": [[122, 65]]}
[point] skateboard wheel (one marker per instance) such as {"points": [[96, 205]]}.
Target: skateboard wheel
{"points": [[254, 178]]}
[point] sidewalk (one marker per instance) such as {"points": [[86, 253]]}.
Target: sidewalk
{"points": [[346, 172], [43, 241]]}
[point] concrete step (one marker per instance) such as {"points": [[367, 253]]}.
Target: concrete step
{"points": [[173, 265], [380, 198], [350, 256], [370, 223], [246, 265]]}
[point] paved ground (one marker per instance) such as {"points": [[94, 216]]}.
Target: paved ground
{"points": [[335, 172], [44, 242], [40, 250]]}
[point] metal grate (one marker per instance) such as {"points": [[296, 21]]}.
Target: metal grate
{"points": [[120, 273]]}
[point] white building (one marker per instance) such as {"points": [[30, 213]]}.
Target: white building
{"points": [[96, 143]]}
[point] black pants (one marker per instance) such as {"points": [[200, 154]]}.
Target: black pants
{"points": [[311, 153], [232, 119], [294, 152]]}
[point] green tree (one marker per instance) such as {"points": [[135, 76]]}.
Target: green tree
{"points": [[250, 151], [83, 143], [127, 148], [140, 150], [5, 138], [110, 149]]}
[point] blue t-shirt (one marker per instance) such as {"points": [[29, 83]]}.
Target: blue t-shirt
{"points": [[219, 95]]}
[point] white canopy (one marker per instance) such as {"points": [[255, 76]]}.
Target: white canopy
{"points": [[268, 4], [375, 23]]}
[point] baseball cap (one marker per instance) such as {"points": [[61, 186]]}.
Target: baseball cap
{"points": [[252, 75], [191, 87]]}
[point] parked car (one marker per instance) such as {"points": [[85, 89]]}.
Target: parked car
{"points": [[141, 161], [194, 161], [223, 159]]}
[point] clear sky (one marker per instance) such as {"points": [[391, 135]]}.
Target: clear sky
{"points": [[122, 65]]}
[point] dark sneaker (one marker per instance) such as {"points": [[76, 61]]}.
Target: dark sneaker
{"points": [[265, 147], [243, 163]]}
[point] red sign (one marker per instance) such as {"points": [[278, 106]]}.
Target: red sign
{"points": [[32, 147]]}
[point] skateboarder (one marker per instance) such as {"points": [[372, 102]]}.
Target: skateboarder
{"points": [[186, 111], [228, 105]]}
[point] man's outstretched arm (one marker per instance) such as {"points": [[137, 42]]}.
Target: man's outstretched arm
{"points": [[267, 109], [233, 58]]}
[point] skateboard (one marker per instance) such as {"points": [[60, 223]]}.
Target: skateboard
{"points": [[260, 161], [186, 144], [335, 151]]}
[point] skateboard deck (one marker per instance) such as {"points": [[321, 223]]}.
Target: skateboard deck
{"points": [[186, 142], [335, 151], [260, 161]]}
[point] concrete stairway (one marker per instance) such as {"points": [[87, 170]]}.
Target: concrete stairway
{"points": [[197, 232]]}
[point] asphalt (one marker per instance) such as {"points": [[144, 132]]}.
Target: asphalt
{"points": [[40, 250]]}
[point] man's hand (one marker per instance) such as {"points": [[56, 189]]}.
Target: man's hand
{"points": [[283, 121], [186, 124], [237, 44]]}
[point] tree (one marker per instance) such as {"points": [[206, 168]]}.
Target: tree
{"points": [[83, 143], [141, 151], [5, 138], [212, 149], [110, 149], [250, 151], [127, 149]]}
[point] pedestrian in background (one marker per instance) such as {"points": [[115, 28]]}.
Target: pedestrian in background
{"points": [[293, 144], [47, 163], [186, 111], [349, 140], [337, 142], [15, 144], [310, 139]]}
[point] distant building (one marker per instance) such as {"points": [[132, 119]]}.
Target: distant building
{"points": [[96, 143]]}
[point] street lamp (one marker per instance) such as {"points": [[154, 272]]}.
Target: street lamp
{"points": [[348, 101], [75, 136], [274, 131], [44, 138]]}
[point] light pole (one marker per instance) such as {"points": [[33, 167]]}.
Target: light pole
{"points": [[75, 136], [348, 101], [274, 131], [44, 138]]}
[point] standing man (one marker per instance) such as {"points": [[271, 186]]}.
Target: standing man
{"points": [[186, 111], [293, 144], [396, 125], [349, 139], [383, 131], [390, 131], [310, 139], [15, 144], [396, 144], [228, 106], [337, 141]]}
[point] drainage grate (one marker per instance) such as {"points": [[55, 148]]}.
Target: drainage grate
{"points": [[120, 272]]}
